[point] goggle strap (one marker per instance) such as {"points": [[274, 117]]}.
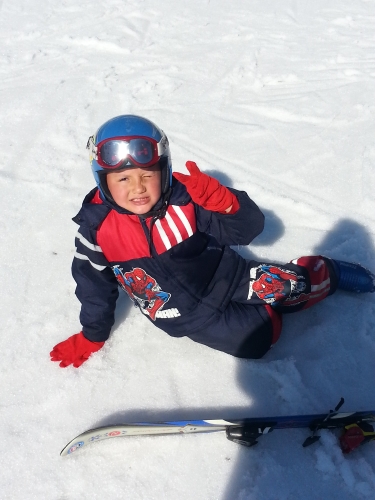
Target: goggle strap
{"points": [[162, 146], [92, 148]]}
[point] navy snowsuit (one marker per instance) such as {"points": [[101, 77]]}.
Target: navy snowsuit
{"points": [[183, 276]]}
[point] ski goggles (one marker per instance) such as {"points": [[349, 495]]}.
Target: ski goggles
{"points": [[135, 150]]}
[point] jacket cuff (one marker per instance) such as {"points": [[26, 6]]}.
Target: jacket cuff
{"points": [[235, 207]]}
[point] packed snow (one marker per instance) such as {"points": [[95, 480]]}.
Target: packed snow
{"points": [[275, 98]]}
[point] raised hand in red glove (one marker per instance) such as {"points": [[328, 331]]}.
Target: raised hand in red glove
{"points": [[207, 191], [75, 350]]}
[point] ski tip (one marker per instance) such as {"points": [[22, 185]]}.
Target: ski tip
{"points": [[71, 448], [73, 445]]}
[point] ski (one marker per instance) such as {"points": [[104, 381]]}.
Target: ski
{"points": [[357, 428]]}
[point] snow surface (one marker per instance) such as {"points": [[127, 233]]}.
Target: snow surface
{"points": [[275, 98]]}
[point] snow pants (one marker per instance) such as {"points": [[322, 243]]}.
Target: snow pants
{"points": [[252, 322]]}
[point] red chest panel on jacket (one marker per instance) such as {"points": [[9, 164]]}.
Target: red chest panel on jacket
{"points": [[122, 237]]}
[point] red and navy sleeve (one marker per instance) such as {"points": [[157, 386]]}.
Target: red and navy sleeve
{"points": [[239, 228]]}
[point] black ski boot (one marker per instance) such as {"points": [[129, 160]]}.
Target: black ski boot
{"points": [[353, 277]]}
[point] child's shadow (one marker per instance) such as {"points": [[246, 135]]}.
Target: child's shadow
{"points": [[347, 241]]}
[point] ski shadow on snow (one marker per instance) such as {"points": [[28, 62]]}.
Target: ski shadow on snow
{"points": [[347, 241]]}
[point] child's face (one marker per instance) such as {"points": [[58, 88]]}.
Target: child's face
{"points": [[136, 189]]}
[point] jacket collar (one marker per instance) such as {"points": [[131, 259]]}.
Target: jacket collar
{"points": [[92, 214]]}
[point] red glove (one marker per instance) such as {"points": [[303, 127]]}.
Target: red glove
{"points": [[74, 350], [207, 191]]}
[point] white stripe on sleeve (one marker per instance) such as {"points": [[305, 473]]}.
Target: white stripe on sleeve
{"points": [[87, 244], [84, 257]]}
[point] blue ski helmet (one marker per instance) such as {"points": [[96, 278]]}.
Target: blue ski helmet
{"points": [[129, 141]]}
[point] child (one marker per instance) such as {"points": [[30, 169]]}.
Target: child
{"points": [[165, 241]]}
